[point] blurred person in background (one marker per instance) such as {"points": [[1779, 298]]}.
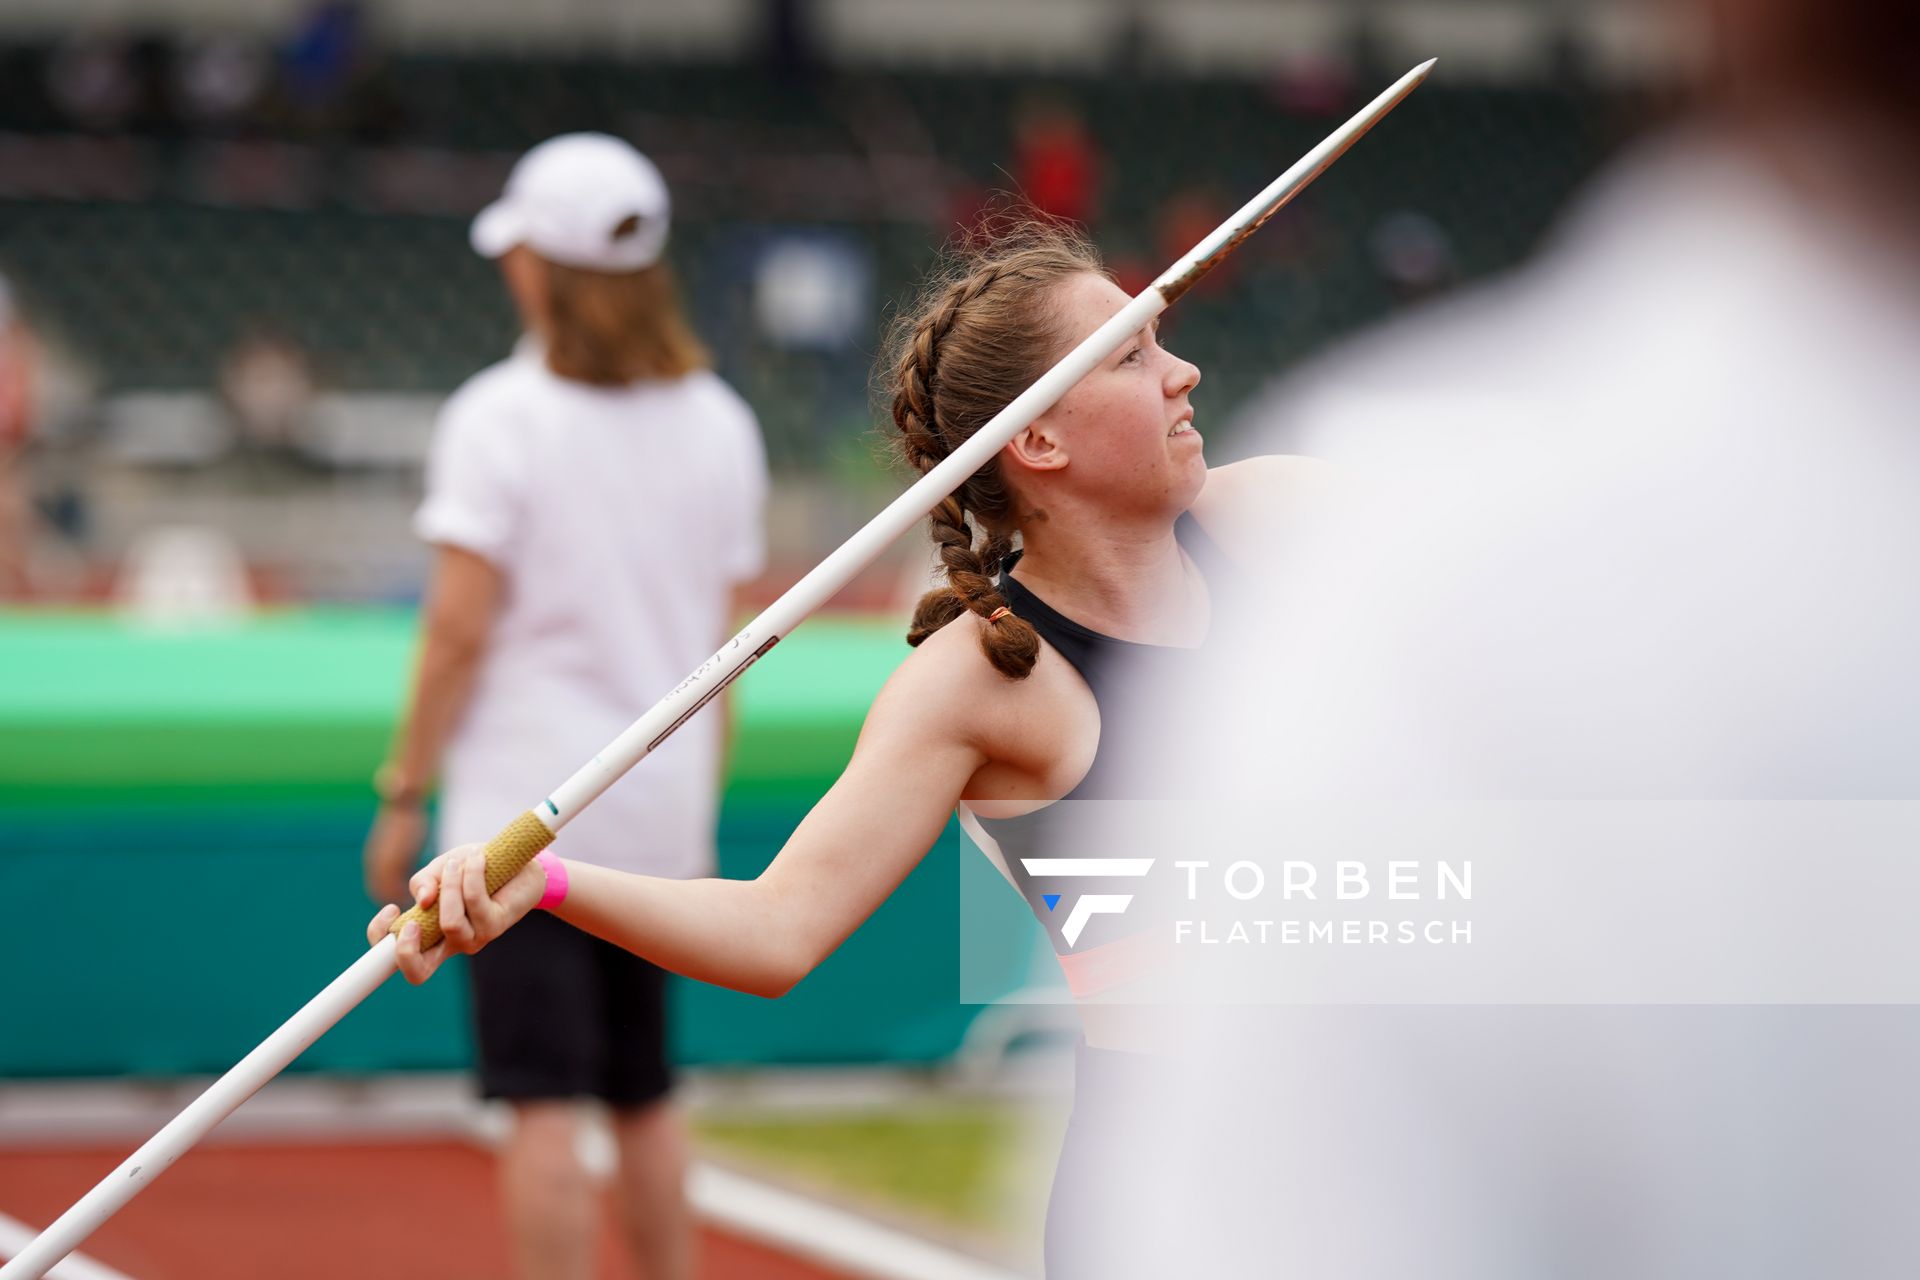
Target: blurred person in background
{"points": [[1413, 256], [93, 80], [19, 369], [266, 382], [1622, 607], [1056, 162], [324, 56], [592, 502], [218, 79]]}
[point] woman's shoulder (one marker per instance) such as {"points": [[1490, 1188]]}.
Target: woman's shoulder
{"points": [[1242, 504], [1269, 478], [950, 665], [948, 683]]}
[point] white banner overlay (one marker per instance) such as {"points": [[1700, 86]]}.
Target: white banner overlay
{"points": [[1574, 902]]}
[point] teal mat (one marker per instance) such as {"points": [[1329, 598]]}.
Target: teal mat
{"points": [[198, 800]]}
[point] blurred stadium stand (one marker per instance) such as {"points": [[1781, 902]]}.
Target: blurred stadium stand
{"points": [[186, 177], [239, 227]]}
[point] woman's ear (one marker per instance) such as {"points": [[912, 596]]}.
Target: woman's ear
{"points": [[1037, 448]]}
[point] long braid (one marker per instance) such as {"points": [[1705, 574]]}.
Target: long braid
{"points": [[977, 340], [1009, 642]]}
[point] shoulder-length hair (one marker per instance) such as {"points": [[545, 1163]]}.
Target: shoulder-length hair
{"points": [[615, 328]]}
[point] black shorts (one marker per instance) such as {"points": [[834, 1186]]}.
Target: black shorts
{"points": [[560, 1014]]}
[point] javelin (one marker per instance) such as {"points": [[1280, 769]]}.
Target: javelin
{"points": [[534, 830]]}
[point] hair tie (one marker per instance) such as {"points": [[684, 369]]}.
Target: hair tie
{"points": [[1002, 612]]}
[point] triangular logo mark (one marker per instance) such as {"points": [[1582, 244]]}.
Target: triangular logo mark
{"points": [[1051, 899]]}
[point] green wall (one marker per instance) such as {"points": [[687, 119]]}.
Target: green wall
{"points": [[180, 822]]}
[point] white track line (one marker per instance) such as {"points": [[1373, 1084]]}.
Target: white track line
{"points": [[826, 1234], [442, 1106], [16, 1235]]}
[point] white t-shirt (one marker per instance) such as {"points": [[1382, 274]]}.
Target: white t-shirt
{"points": [[621, 519]]}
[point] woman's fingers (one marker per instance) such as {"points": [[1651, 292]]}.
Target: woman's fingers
{"points": [[455, 883], [415, 964], [483, 913], [425, 885], [453, 901], [382, 921]]}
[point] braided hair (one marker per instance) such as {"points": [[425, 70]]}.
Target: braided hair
{"points": [[984, 330]]}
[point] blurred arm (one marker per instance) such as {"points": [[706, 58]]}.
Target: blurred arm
{"points": [[462, 598]]}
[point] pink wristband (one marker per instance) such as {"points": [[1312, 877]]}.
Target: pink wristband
{"points": [[556, 879]]}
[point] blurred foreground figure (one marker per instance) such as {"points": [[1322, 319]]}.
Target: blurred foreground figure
{"points": [[1619, 612]]}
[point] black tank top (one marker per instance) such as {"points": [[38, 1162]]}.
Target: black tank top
{"points": [[1114, 670]]}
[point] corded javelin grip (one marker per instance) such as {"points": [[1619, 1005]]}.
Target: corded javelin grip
{"points": [[534, 830], [506, 853]]}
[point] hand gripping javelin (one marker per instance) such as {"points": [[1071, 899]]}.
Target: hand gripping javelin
{"points": [[532, 831]]}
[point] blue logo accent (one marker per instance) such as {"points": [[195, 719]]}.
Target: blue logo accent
{"points": [[1086, 906]]}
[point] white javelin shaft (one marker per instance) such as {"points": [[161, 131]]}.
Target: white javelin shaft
{"points": [[900, 515], [219, 1101], [713, 675]]}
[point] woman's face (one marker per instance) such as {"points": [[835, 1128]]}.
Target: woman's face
{"points": [[1123, 435]]}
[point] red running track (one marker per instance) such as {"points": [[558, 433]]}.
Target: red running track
{"points": [[321, 1211]]}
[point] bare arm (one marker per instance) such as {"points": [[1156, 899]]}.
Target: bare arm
{"points": [[462, 597], [912, 763], [461, 600]]}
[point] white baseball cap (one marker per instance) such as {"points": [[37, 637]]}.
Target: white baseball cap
{"points": [[567, 200]]}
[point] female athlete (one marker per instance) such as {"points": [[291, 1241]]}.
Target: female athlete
{"points": [[1001, 709]]}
